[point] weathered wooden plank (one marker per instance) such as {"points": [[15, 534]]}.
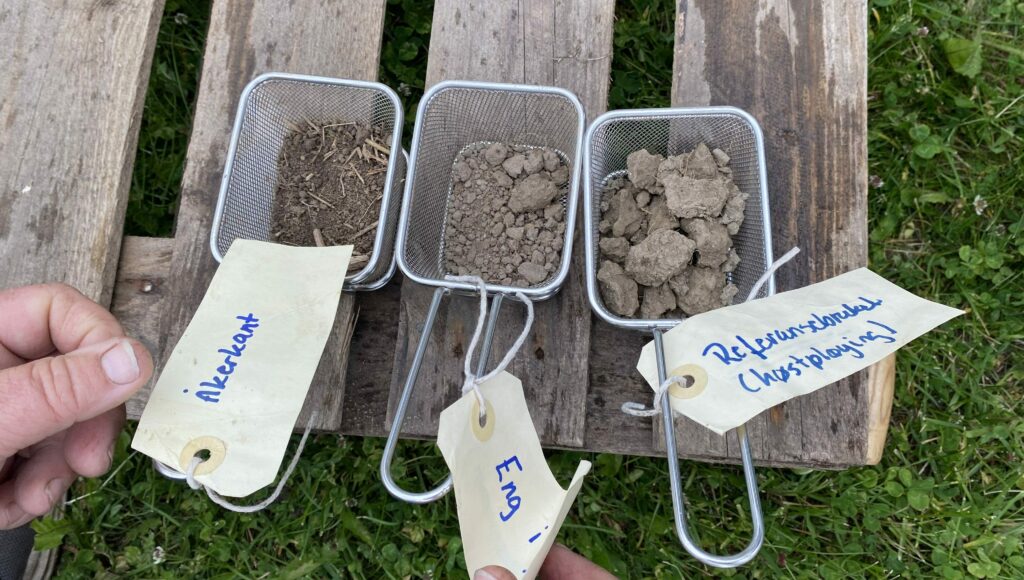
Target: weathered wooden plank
{"points": [[881, 382], [337, 39], [139, 292], [800, 67], [371, 356], [70, 106], [565, 44]]}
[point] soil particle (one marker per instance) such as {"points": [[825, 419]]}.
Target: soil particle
{"points": [[505, 219], [535, 192], [533, 272], [721, 157], [660, 216], [495, 153], [330, 184], [643, 199], [688, 197], [700, 289], [534, 161], [657, 301], [731, 262], [661, 256], [628, 216], [732, 213], [615, 248], [642, 167], [551, 161], [712, 239], [514, 165], [667, 228], [618, 291]]}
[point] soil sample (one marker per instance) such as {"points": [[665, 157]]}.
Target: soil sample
{"points": [[506, 218], [666, 235], [330, 183]]}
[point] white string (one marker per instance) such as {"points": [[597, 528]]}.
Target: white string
{"points": [[473, 382], [190, 478], [639, 410]]}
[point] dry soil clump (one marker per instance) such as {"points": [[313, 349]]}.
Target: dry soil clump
{"points": [[330, 183], [505, 218], [666, 235]]}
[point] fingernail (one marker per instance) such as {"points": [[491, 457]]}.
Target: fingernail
{"points": [[55, 491], [110, 457], [484, 575], [119, 363]]}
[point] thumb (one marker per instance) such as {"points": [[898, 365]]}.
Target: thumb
{"points": [[46, 396], [493, 573]]}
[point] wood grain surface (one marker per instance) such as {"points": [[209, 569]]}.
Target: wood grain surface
{"points": [[800, 67], [565, 44], [70, 106], [245, 39]]}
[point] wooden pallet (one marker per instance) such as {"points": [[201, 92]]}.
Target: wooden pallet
{"points": [[66, 155], [70, 107], [803, 77]]}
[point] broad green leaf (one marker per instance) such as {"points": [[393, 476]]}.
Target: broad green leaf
{"points": [[963, 55], [929, 148], [920, 132], [50, 533], [918, 499]]}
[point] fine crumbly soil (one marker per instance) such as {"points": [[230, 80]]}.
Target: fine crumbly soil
{"points": [[330, 183], [666, 235], [505, 219]]}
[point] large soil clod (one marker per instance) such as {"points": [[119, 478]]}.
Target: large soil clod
{"points": [[666, 235]]}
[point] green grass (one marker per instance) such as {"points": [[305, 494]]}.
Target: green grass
{"points": [[167, 118], [946, 214]]}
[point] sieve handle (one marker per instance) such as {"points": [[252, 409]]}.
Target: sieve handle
{"points": [[403, 403], [678, 499]]}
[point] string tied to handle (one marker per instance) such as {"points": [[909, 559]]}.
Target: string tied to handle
{"points": [[472, 382]]}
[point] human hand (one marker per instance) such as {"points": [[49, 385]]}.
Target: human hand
{"points": [[561, 564], [66, 370]]}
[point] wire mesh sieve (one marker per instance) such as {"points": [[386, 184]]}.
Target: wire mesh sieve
{"points": [[270, 105], [610, 139], [452, 116], [669, 132]]}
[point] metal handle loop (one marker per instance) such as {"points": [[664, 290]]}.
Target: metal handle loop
{"points": [[678, 499], [396, 426]]}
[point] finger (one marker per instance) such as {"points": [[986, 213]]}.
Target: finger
{"points": [[8, 359], [41, 482], [493, 573], [564, 564], [6, 467], [89, 445], [39, 320], [11, 515], [47, 396]]}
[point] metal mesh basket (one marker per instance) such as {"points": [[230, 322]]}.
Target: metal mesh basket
{"points": [[269, 106], [611, 138], [615, 135], [455, 115]]}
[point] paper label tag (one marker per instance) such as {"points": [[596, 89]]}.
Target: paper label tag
{"points": [[747, 358], [236, 381], [510, 505]]}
